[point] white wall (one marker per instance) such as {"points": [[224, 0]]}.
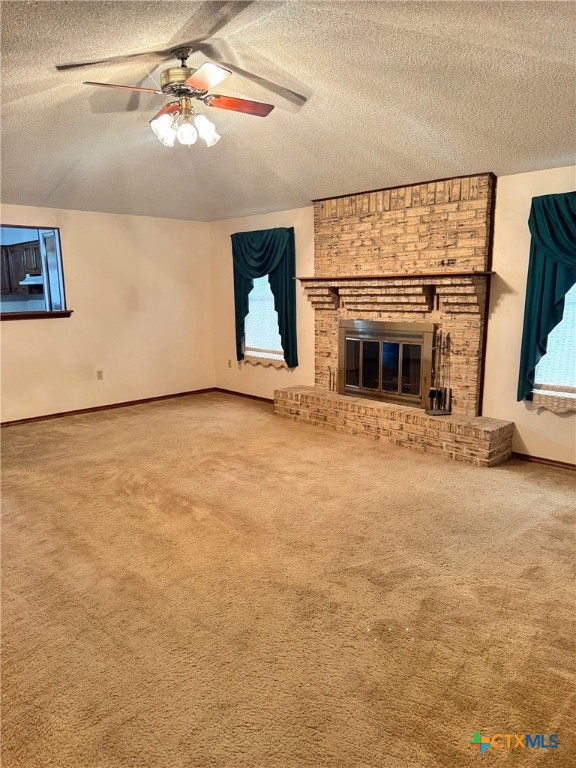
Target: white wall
{"points": [[244, 377], [140, 291], [538, 433]]}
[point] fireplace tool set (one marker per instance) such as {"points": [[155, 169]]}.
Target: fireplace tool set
{"points": [[440, 394]]}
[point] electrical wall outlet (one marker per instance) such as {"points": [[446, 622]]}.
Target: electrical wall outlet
{"points": [[99, 375], [229, 363]]}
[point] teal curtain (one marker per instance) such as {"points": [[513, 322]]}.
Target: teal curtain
{"points": [[256, 254], [551, 274]]}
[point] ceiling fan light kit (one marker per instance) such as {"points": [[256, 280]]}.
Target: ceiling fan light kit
{"points": [[177, 120]]}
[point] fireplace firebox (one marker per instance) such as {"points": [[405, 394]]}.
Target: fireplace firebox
{"points": [[385, 361]]}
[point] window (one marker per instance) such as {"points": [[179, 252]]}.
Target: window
{"points": [[262, 335], [31, 266], [555, 380]]}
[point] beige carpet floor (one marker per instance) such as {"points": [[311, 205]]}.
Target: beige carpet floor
{"points": [[196, 583]]}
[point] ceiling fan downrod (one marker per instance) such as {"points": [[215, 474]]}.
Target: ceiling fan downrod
{"points": [[182, 54], [186, 106]]}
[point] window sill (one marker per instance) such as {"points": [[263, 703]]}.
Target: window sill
{"points": [[555, 399], [265, 361], [41, 315]]}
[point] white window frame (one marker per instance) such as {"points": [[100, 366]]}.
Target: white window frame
{"points": [[255, 355], [51, 275], [558, 397]]}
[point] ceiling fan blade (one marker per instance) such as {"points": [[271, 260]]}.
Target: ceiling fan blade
{"points": [[239, 105], [207, 76], [126, 87], [212, 50], [167, 109], [104, 101], [223, 12], [113, 59]]}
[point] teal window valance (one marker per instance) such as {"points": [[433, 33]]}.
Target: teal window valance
{"points": [[551, 274], [256, 254]]}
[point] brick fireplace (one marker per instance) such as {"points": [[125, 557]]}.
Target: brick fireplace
{"points": [[414, 255]]}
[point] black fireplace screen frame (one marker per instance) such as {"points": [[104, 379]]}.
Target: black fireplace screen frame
{"points": [[400, 334]]}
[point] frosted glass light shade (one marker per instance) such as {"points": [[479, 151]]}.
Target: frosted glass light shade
{"points": [[207, 130], [161, 123], [163, 128], [214, 139], [187, 134], [168, 137]]}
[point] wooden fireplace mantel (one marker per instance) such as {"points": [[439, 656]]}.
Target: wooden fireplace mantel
{"points": [[396, 276]]}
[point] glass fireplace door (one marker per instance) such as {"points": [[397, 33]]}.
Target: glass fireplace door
{"points": [[401, 368], [353, 362], [370, 365], [411, 368], [389, 366], [386, 361]]}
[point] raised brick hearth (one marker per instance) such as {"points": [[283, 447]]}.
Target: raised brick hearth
{"points": [[475, 440]]}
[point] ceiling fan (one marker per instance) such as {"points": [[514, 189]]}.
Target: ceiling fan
{"points": [[177, 119]]}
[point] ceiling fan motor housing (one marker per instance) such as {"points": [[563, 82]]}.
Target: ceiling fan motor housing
{"points": [[173, 81]]}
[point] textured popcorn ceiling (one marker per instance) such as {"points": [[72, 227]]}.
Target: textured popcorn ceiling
{"points": [[397, 92]]}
